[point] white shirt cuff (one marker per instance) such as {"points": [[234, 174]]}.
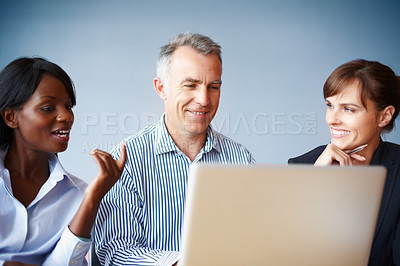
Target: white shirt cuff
{"points": [[70, 250]]}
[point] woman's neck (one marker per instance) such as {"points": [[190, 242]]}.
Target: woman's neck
{"points": [[28, 170], [28, 163]]}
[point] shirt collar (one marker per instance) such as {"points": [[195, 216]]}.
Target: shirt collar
{"points": [[164, 142], [57, 174], [57, 171], [212, 141]]}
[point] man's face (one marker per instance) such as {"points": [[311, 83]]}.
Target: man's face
{"points": [[192, 93]]}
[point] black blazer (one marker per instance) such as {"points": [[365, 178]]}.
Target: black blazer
{"points": [[386, 244]]}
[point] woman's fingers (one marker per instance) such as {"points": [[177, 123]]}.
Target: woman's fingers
{"points": [[96, 155], [103, 158], [107, 165], [122, 157], [357, 157], [333, 155], [343, 159]]}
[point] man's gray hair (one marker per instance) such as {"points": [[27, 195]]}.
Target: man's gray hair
{"points": [[200, 43]]}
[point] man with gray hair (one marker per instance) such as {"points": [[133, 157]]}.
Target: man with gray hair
{"points": [[140, 220]]}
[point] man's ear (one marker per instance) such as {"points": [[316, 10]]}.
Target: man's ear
{"points": [[9, 117], [160, 88], [386, 115]]}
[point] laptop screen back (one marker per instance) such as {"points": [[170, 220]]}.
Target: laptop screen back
{"points": [[281, 215]]}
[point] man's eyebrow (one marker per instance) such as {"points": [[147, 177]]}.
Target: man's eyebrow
{"points": [[193, 80], [216, 82]]}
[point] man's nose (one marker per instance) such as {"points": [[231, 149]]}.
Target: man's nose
{"points": [[203, 95]]}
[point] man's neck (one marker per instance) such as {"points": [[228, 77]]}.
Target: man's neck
{"points": [[191, 149], [189, 145], [188, 142]]}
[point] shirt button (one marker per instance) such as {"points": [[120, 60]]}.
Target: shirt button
{"points": [[79, 247], [71, 262]]}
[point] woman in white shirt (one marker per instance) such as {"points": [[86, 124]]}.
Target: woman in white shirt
{"points": [[46, 214]]}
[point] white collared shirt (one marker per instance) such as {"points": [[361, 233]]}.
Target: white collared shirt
{"points": [[39, 234]]}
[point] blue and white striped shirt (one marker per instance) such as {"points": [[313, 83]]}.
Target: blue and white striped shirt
{"points": [[140, 219]]}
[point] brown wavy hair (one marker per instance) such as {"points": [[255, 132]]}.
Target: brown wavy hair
{"points": [[377, 82]]}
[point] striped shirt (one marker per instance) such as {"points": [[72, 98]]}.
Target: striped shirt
{"points": [[140, 219]]}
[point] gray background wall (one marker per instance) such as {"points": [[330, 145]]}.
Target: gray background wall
{"points": [[276, 57]]}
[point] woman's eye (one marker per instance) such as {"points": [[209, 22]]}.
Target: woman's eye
{"points": [[348, 109], [47, 108], [329, 105]]}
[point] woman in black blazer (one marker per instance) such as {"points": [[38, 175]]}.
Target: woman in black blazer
{"points": [[363, 101]]}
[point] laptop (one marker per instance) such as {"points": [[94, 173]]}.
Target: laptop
{"points": [[281, 215]]}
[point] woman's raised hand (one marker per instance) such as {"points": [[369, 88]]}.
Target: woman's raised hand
{"points": [[109, 172], [333, 155]]}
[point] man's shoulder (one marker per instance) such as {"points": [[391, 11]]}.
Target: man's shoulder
{"points": [[232, 148], [138, 141], [145, 134], [224, 140], [309, 157]]}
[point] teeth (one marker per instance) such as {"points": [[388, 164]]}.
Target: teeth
{"points": [[199, 113], [62, 132], [340, 132]]}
